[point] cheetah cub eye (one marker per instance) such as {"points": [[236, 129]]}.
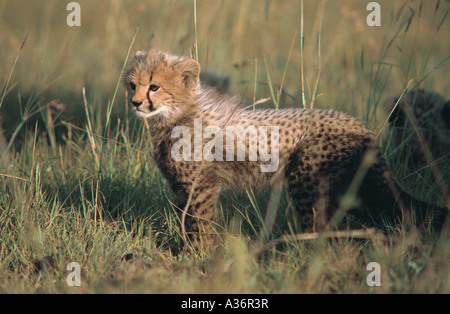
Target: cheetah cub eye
{"points": [[154, 88], [133, 86]]}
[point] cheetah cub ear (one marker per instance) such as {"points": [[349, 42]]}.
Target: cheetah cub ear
{"points": [[139, 54], [190, 72]]}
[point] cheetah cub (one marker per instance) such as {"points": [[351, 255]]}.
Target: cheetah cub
{"points": [[203, 143], [432, 113]]}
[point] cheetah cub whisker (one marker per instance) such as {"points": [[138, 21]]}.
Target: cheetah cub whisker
{"points": [[164, 111], [319, 151]]}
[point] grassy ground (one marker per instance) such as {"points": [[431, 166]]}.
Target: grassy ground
{"points": [[76, 186]]}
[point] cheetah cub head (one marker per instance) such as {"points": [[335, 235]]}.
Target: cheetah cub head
{"points": [[161, 85]]}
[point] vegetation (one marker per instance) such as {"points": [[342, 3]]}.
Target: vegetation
{"points": [[78, 182]]}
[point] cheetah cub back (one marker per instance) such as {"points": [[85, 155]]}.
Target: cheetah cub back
{"points": [[204, 143]]}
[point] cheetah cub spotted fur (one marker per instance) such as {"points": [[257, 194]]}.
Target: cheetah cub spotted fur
{"points": [[319, 152]]}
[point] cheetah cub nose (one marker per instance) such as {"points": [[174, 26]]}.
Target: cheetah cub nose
{"points": [[136, 104]]}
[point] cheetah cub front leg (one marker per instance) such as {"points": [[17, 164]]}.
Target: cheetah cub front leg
{"points": [[201, 198]]}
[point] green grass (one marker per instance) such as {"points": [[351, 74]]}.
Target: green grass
{"points": [[79, 183]]}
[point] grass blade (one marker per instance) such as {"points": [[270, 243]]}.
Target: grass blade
{"points": [[12, 70], [111, 104]]}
